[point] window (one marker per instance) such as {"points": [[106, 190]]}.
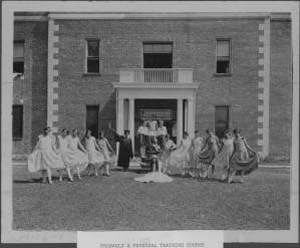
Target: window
{"points": [[18, 66], [158, 55], [223, 56], [92, 63], [17, 122], [221, 120]]}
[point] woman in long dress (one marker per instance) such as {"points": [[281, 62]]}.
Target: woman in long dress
{"points": [[208, 153], [95, 157], [195, 150], [62, 141], [221, 161], [244, 159], [161, 133], [169, 146], [107, 151], [77, 155], [179, 159], [156, 176], [45, 156]]}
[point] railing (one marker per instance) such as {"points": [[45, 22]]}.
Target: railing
{"points": [[156, 75]]}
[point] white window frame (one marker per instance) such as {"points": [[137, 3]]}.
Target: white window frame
{"points": [[19, 59], [86, 55], [230, 57]]}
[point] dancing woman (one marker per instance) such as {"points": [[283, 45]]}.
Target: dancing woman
{"points": [[179, 159], [77, 155], [62, 141], [107, 151], [208, 153], [169, 146], [244, 159], [195, 150], [95, 157], [221, 161], [45, 156]]}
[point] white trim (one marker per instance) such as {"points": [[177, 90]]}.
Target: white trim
{"points": [[260, 96], [260, 108], [50, 74], [260, 50], [31, 18], [261, 61], [261, 73], [54, 119], [141, 15], [155, 85], [260, 142], [260, 85], [266, 87], [167, 15], [260, 119]]}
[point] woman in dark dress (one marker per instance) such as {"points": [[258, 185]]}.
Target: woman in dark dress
{"points": [[125, 149]]}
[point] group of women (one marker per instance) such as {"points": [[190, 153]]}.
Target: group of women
{"points": [[67, 152], [232, 156]]}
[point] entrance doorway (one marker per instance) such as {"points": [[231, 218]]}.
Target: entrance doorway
{"points": [[92, 119], [155, 110]]}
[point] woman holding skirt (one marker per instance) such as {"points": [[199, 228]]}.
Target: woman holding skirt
{"points": [[208, 153], [62, 141], [195, 150], [221, 161], [45, 157], [169, 146], [244, 159], [106, 149], [77, 157], [179, 159], [96, 158]]}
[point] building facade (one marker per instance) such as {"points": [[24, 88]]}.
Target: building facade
{"points": [[194, 71]]}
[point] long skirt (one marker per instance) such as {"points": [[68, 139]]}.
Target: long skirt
{"points": [[96, 158], [243, 167], [43, 160], [178, 162], [75, 159]]}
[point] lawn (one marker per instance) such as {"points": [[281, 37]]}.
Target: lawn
{"points": [[120, 203]]}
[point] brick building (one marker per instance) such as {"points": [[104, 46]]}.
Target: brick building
{"points": [[195, 71]]}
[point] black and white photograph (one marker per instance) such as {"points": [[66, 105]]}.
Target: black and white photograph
{"points": [[141, 117]]}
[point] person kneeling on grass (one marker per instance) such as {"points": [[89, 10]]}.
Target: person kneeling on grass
{"points": [[96, 158]]}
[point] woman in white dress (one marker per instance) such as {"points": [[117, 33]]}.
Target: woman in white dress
{"points": [[179, 159], [95, 156], [195, 150], [107, 151], [169, 146], [45, 156], [161, 133], [156, 176], [62, 141], [77, 155]]}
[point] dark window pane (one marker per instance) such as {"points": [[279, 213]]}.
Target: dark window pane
{"points": [[157, 60], [221, 120], [18, 67], [92, 117], [223, 66], [93, 48], [17, 121], [93, 65]]}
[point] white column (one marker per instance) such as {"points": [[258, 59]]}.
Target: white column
{"points": [[185, 109], [120, 116], [179, 120], [120, 121], [131, 121], [191, 117]]}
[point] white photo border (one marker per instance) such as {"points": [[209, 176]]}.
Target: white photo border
{"points": [[9, 7]]}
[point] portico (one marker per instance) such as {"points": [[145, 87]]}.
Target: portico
{"points": [[130, 89]]}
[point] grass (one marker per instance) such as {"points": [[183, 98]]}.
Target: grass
{"points": [[120, 203]]}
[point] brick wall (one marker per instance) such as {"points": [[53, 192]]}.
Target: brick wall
{"points": [[281, 95], [194, 47], [32, 90]]}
